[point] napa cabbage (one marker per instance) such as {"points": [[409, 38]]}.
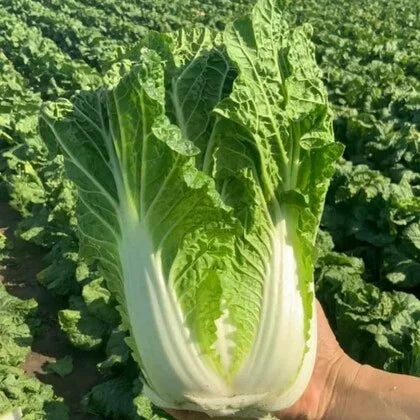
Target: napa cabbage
{"points": [[202, 168]]}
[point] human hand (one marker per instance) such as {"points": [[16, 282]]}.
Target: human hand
{"points": [[333, 370]]}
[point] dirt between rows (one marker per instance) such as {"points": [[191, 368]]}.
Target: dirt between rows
{"points": [[50, 343]]}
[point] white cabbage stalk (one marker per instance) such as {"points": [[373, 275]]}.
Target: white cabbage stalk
{"points": [[202, 175], [15, 414]]}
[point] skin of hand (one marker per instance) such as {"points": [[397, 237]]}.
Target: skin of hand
{"points": [[333, 369]]}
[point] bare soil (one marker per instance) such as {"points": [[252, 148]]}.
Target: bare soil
{"points": [[50, 343]]}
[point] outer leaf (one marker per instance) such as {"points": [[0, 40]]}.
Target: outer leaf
{"points": [[61, 367], [151, 218], [274, 160]]}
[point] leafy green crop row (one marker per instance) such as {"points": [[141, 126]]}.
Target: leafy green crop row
{"points": [[69, 33], [110, 25], [48, 69], [18, 320], [368, 270]]}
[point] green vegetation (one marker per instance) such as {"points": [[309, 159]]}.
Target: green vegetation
{"points": [[18, 318], [367, 273]]}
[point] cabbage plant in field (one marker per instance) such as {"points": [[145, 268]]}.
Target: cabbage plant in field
{"points": [[201, 177]]}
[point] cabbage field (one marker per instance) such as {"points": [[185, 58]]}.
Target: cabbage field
{"points": [[63, 352]]}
